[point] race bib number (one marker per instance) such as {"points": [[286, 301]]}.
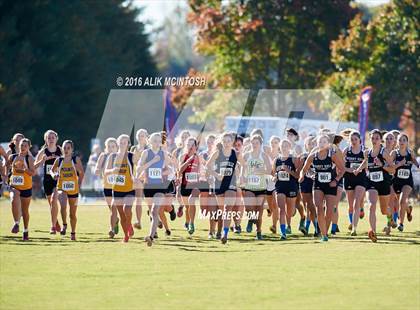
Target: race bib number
{"points": [[376, 176], [191, 177], [48, 168], [68, 186], [110, 179], [283, 176], [254, 180], [17, 180], [403, 174], [355, 165], [226, 172], [119, 180], [155, 173], [324, 177]]}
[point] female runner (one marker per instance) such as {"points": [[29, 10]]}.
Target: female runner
{"points": [[141, 137], [403, 182], [325, 185], [68, 171], [111, 147], [120, 164], [257, 166], [22, 169], [46, 157]]}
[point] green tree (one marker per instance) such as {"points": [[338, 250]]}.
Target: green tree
{"points": [[383, 54], [267, 44], [58, 61]]}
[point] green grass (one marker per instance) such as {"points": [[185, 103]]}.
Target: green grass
{"points": [[51, 272]]}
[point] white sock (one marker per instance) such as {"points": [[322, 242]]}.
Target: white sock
{"points": [[17, 222], [25, 230]]}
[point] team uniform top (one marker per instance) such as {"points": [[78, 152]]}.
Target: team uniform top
{"points": [[48, 164], [225, 166], [324, 169], [282, 176], [403, 174], [68, 180], [123, 180], [354, 161], [154, 176], [377, 173], [190, 176], [20, 180], [255, 178]]}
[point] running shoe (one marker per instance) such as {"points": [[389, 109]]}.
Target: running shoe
{"points": [[180, 212], [259, 235], [211, 236], [238, 229], [15, 229], [53, 231], [337, 230], [288, 230], [63, 230], [125, 239], [156, 236], [362, 213], [186, 226], [302, 227], [393, 224], [218, 236], [231, 228], [249, 226], [73, 236], [25, 236], [130, 230], [191, 228], [137, 225], [350, 227], [283, 237], [148, 240], [160, 225], [316, 234], [224, 239], [353, 233], [401, 227], [117, 226], [273, 229], [387, 230], [167, 232], [111, 234], [372, 236], [57, 226], [324, 239], [172, 214], [410, 213]]}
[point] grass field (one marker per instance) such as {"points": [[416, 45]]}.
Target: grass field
{"points": [[178, 272]]}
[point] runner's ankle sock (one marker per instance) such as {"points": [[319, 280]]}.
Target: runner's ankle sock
{"points": [[307, 224], [395, 216], [225, 231], [283, 229], [389, 219], [334, 228], [351, 218]]}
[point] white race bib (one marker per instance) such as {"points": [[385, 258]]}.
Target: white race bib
{"points": [[226, 172], [68, 186], [17, 180], [403, 173], [254, 180], [376, 176], [324, 177], [48, 168], [110, 179], [119, 180], [155, 173], [355, 165], [283, 176], [191, 177]]}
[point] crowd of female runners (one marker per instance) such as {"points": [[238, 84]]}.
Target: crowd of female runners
{"points": [[230, 178]]}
